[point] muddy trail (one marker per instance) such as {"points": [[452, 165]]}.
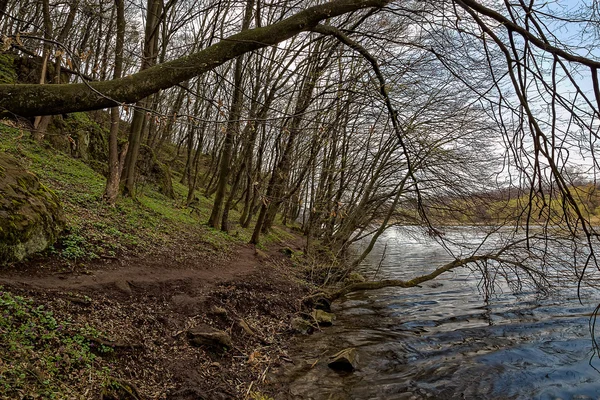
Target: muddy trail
{"points": [[146, 306], [155, 273]]}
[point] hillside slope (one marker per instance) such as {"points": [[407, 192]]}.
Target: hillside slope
{"points": [[106, 311]]}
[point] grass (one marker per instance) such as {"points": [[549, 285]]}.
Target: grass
{"points": [[96, 230], [547, 208]]}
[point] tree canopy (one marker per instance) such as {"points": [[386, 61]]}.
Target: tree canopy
{"points": [[349, 116]]}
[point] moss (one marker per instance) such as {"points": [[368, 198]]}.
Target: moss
{"points": [[91, 225], [32, 215], [156, 171], [8, 73], [81, 137]]}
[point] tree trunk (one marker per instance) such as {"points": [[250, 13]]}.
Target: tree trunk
{"points": [[3, 4], [114, 166], [280, 175], [374, 285], [218, 216], [41, 122], [139, 115]]}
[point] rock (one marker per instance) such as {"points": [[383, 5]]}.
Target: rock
{"points": [[216, 310], [155, 171], [287, 252], [185, 304], [322, 304], [323, 318], [301, 325], [205, 335], [82, 137], [246, 328], [345, 360], [124, 287], [31, 216], [261, 255], [355, 277]]}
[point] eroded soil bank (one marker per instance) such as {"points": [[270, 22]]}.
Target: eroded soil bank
{"points": [[141, 308]]}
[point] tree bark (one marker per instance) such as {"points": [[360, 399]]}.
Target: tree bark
{"points": [[3, 4], [281, 171], [373, 285], [114, 166], [139, 115], [219, 214], [41, 122]]}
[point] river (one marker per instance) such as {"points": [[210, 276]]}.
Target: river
{"points": [[445, 340]]}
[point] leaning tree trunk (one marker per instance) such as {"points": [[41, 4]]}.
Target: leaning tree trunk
{"points": [[41, 122]]}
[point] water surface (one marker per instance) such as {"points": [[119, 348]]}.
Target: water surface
{"points": [[446, 340]]}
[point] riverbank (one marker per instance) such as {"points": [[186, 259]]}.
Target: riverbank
{"points": [[447, 338], [112, 310]]}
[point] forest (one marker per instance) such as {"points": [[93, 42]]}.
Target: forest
{"points": [[296, 134]]}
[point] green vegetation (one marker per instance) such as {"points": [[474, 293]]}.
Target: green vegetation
{"points": [[7, 70], [43, 357], [259, 396], [96, 230]]}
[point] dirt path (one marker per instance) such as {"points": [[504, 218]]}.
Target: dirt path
{"points": [[123, 276], [152, 301]]}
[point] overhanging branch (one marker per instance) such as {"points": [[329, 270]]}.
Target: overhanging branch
{"points": [[373, 285], [32, 100]]}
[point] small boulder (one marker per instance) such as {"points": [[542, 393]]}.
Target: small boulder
{"points": [[301, 325], [245, 327], [261, 255], [287, 252], [31, 216], [322, 303], [355, 277], [124, 286], [188, 305], [220, 311], [345, 360], [323, 318], [205, 335]]}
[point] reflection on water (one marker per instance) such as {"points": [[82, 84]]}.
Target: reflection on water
{"points": [[445, 341]]}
